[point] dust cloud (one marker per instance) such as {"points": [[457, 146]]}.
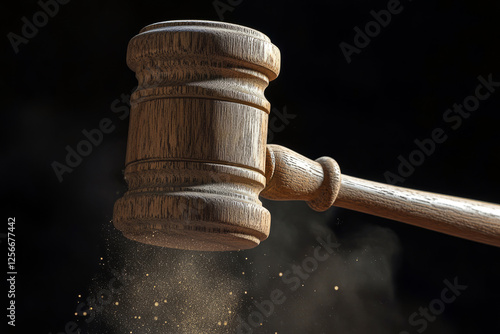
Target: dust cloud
{"points": [[325, 283]]}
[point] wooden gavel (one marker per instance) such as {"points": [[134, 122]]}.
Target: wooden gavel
{"points": [[197, 157]]}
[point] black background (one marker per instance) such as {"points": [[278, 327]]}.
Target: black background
{"points": [[364, 114]]}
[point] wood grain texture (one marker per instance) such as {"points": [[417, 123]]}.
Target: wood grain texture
{"points": [[197, 157], [469, 219], [197, 137], [291, 176]]}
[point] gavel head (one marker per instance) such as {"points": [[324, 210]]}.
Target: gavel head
{"points": [[196, 150]]}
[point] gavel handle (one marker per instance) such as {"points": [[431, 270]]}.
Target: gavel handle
{"points": [[291, 176]]}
